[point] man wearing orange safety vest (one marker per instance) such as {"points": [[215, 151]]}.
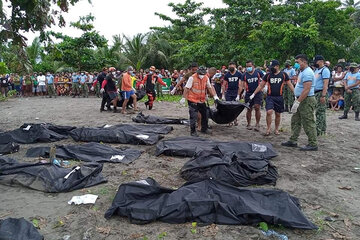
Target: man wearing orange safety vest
{"points": [[195, 93]]}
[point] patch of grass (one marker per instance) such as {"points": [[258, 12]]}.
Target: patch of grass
{"points": [[193, 227], [162, 235], [11, 93], [95, 208], [3, 99]]}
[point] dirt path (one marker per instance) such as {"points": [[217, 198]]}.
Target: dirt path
{"points": [[313, 177]]}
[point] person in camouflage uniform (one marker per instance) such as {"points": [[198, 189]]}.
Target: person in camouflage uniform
{"points": [[322, 78], [288, 94], [304, 106], [352, 92]]}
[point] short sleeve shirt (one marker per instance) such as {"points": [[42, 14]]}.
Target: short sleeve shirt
{"points": [[252, 81], [320, 75], [307, 75], [352, 78], [233, 82], [276, 83]]}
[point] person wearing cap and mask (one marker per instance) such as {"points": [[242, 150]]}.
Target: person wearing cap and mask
{"points": [[288, 94], [304, 107], [149, 81], [352, 92], [98, 83], [322, 77], [193, 68], [195, 93], [250, 81], [109, 86], [50, 85], [128, 90], [276, 80]]}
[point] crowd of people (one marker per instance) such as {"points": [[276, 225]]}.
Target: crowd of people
{"points": [[280, 88]]}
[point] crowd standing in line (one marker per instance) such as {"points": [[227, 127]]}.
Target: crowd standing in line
{"points": [[304, 88]]}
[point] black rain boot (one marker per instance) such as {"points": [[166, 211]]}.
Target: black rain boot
{"points": [[357, 116], [344, 116], [286, 108]]}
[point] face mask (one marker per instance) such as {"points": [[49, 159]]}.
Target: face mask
{"points": [[249, 69], [232, 69], [273, 70], [113, 73], [82, 74], [352, 69], [287, 65], [131, 72], [150, 72], [316, 65], [201, 76], [297, 66]]}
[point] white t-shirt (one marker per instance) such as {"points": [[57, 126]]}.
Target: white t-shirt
{"points": [[189, 83], [41, 80]]}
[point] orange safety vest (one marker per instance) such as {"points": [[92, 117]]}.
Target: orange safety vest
{"points": [[197, 93], [126, 82]]}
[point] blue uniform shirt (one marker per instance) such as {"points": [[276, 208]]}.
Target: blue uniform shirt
{"points": [[290, 72], [320, 75], [75, 78], [83, 78], [306, 75], [233, 83], [252, 80], [352, 78], [50, 79]]}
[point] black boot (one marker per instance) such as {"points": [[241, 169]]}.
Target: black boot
{"points": [[286, 108], [344, 116], [357, 116]]}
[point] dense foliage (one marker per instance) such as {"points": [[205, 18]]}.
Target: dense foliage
{"points": [[257, 29]]}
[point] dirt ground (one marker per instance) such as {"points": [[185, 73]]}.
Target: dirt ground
{"points": [[314, 177]]}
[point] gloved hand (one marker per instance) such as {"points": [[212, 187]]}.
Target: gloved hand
{"points": [[295, 106], [237, 98], [173, 91], [252, 96], [182, 101], [141, 85], [216, 98], [92, 89], [102, 90]]}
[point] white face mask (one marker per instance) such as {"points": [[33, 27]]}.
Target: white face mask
{"points": [[201, 76]]}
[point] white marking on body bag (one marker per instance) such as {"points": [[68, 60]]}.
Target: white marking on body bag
{"points": [[27, 128], [258, 148], [117, 157], [141, 136]]}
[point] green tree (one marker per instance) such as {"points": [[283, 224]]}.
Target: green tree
{"points": [[135, 50]]}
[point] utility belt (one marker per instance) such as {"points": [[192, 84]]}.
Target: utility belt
{"points": [[317, 91]]}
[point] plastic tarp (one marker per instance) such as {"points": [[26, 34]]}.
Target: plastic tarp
{"points": [[8, 148], [229, 168], [89, 152], [226, 112], [18, 229], [206, 202], [141, 118], [32, 133], [124, 133], [188, 146], [47, 177]]}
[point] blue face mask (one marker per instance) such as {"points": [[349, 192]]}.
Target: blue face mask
{"points": [[249, 69], [151, 72], [297, 66]]}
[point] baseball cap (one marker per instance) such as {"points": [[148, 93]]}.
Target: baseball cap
{"points": [[354, 64], [274, 63], [318, 57]]}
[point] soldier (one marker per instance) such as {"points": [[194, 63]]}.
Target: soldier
{"points": [[75, 85], [83, 84], [288, 94], [322, 77], [352, 92], [50, 85], [303, 107]]}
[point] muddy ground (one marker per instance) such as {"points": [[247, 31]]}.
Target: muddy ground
{"points": [[314, 177]]}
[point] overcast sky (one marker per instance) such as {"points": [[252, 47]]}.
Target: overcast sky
{"points": [[127, 17]]}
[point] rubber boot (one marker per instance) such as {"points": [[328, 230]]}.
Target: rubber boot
{"points": [[344, 116], [357, 116]]}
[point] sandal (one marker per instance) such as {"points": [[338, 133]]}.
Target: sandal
{"points": [[277, 133], [248, 127], [267, 134], [257, 128]]}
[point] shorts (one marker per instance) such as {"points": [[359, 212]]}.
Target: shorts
{"points": [[128, 94], [18, 88], [112, 95], [256, 100], [230, 98], [42, 88], [275, 103]]}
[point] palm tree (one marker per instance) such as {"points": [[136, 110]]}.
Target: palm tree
{"points": [[159, 50], [136, 50], [351, 3], [34, 51]]}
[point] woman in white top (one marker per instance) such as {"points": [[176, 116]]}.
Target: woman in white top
{"points": [[338, 79]]}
